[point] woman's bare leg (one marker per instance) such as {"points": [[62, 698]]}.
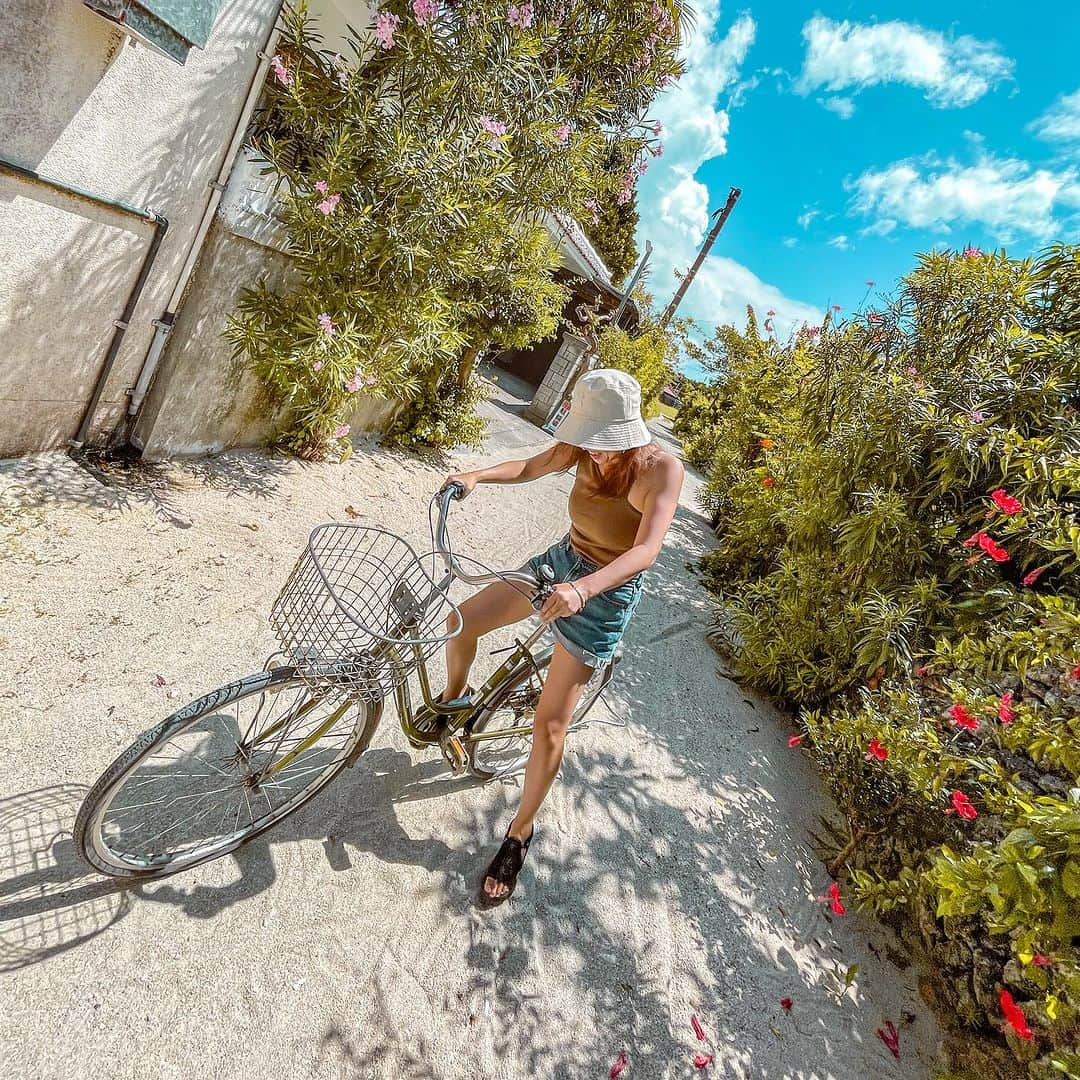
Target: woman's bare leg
{"points": [[500, 604], [566, 679]]}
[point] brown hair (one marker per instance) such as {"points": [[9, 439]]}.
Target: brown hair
{"points": [[618, 477]]}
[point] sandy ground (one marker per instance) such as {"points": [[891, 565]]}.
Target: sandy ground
{"points": [[672, 874]]}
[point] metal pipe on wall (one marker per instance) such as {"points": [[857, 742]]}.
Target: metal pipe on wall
{"points": [[164, 324]]}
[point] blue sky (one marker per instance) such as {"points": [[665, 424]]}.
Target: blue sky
{"points": [[861, 134]]}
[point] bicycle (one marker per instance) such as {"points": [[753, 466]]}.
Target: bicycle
{"points": [[356, 618]]}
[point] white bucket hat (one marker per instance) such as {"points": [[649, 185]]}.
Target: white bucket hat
{"points": [[605, 413]]}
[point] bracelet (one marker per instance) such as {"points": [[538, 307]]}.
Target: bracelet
{"points": [[581, 595]]}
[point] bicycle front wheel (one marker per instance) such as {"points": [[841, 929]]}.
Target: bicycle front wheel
{"points": [[218, 773]]}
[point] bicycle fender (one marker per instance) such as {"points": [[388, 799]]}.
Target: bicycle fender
{"points": [[374, 718]]}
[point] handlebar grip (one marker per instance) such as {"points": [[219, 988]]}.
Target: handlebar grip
{"points": [[455, 490]]}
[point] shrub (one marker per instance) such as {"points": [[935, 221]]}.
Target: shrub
{"points": [[899, 527], [412, 183]]}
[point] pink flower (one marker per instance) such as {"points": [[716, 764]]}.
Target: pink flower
{"points": [[658, 150], [385, 27], [961, 805], [327, 324], [354, 383], [1006, 503], [322, 187], [977, 417], [494, 128], [562, 133], [770, 313], [317, 366], [869, 284], [425, 10], [963, 719], [876, 750], [329, 204], [971, 252], [281, 72], [1006, 713], [341, 431], [1032, 576], [874, 317], [1039, 960], [520, 16], [836, 307], [658, 129]]}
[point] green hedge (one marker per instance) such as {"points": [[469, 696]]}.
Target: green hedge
{"points": [[898, 507]]}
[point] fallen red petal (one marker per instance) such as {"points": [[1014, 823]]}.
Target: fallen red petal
{"points": [[834, 895], [620, 1064], [786, 1003], [1014, 1016], [795, 740], [702, 1061], [699, 1031], [891, 1038]]}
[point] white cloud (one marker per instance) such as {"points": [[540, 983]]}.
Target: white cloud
{"points": [[847, 56], [789, 241], [1006, 196], [881, 227], [1061, 122], [806, 217], [844, 107], [674, 205], [730, 286], [839, 242]]}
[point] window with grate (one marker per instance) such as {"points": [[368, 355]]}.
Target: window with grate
{"points": [[171, 27]]}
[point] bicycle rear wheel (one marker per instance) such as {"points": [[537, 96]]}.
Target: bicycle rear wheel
{"points": [[218, 773], [498, 741]]}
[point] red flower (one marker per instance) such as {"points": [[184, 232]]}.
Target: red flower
{"points": [[1014, 1016], [834, 895], [923, 671], [1033, 576], [620, 1064], [795, 740], [975, 538], [1006, 503], [963, 719], [699, 1031], [1075, 672], [891, 1038], [1006, 713], [962, 805], [786, 1003], [769, 482], [1039, 960], [702, 1061], [876, 750], [994, 550]]}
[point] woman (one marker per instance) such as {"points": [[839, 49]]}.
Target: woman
{"points": [[625, 494]]}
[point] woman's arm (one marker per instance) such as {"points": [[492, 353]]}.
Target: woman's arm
{"points": [[556, 458], [657, 513]]}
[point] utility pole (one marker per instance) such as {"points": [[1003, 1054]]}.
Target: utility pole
{"points": [[714, 232]]}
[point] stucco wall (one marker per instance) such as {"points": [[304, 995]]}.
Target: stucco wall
{"points": [[81, 102]]}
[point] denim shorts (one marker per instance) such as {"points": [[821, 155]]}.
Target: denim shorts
{"points": [[593, 633]]}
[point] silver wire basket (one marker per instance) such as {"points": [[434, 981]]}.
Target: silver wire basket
{"points": [[359, 611]]}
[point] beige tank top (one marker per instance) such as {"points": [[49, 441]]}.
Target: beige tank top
{"points": [[602, 527]]}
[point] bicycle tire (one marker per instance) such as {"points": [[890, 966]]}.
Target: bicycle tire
{"points": [[89, 840], [500, 703]]}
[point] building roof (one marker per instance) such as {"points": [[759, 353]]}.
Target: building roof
{"points": [[579, 256]]}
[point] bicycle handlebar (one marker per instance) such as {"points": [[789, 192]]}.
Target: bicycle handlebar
{"points": [[455, 493]]}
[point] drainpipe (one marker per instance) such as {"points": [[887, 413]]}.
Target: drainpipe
{"points": [[160, 224], [164, 324]]}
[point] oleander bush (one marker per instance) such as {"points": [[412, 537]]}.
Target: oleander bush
{"points": [[413, 179], [898, 506]]}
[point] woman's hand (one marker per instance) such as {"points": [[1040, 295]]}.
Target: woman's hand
{"points": [[467, 480], [565, 600]]}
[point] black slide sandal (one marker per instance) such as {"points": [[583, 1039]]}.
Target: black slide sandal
{"points": [[504, 869]]}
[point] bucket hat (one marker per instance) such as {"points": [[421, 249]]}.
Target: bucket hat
{"points": [[605, 413]]}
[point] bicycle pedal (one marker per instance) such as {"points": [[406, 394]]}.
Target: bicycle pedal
{"points": [[454, 752]]}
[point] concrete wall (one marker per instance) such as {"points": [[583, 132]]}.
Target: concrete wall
{"points": [[83, 103], [203, 400]]}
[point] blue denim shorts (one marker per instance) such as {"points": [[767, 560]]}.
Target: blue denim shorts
{"points": [[593, 633]]}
